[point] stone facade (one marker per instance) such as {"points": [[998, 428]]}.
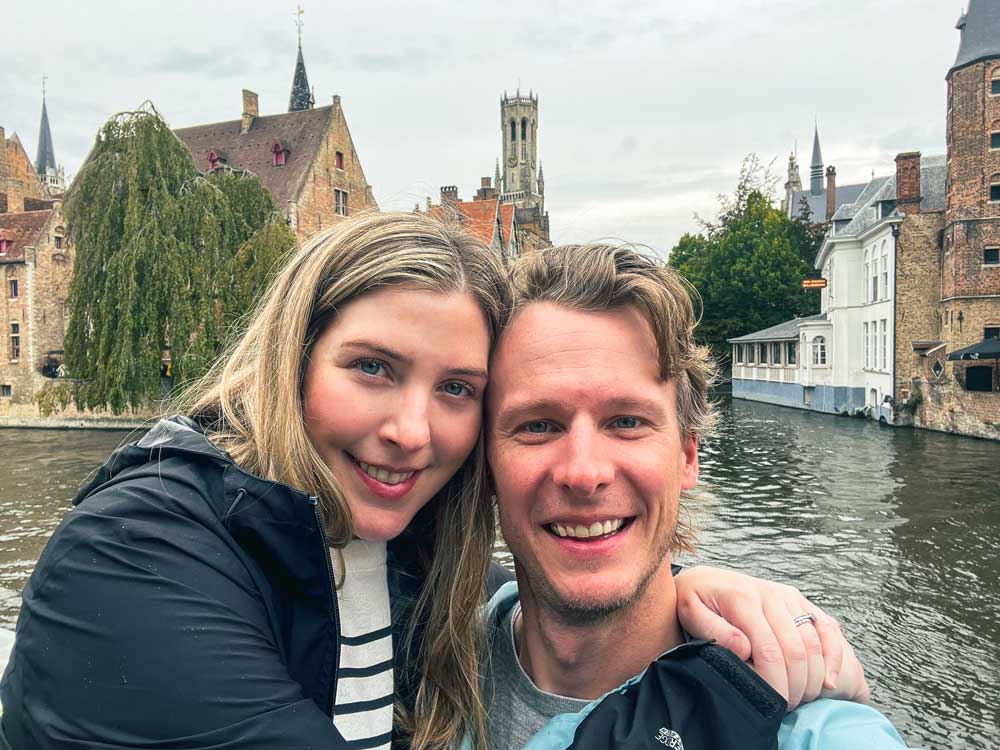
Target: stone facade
{"points": [[18, 179], [36, 274]]}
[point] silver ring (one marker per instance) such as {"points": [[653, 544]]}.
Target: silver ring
{"points": [[803, 619]]}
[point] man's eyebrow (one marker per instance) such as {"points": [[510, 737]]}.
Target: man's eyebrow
{"points": [[371, 346], [625, 404]]}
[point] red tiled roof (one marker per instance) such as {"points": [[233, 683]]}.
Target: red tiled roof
{"points": [[476, 217], [21, 230], [302, 133]]}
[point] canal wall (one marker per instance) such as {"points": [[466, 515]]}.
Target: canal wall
{"points": [[28, 415], [826, 399]]}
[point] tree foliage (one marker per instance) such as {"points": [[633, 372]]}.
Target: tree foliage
{"points": [[748, 263], [166, 258]]}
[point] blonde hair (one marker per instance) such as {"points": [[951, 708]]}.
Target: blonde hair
{"points": [[599, 277], [251, 405]]}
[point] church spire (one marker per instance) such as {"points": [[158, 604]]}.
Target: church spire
{"points": [[46, 159], [497, 179], [816, 168], [301, 97]]}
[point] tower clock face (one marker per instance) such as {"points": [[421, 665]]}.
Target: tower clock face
{"points": [[512, 161]]}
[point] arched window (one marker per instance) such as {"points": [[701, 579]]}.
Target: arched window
{"points": [[867, 290], [995, 188], [513, 130], [995, 82], [819, 351], [524, 128]]}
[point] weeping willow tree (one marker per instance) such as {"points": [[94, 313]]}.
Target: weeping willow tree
{"points": [[166, 259]]}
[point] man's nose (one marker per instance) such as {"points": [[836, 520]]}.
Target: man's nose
{"points": [[584, 468], [408, 424]]}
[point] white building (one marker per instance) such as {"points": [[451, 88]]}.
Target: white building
{"points": [[848, 349]]}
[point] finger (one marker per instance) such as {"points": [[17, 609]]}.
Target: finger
{"points": [[700, 621], [815, 666], [792, 649], [852, 685], [833, 645], [766, 654]]}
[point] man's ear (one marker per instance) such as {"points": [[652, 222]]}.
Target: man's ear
{"points": [[689, 471]]}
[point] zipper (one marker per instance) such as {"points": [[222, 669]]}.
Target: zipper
{"points": [[336, 607]]}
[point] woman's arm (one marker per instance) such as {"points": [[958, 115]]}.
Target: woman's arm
{"points": [[755, 619]]}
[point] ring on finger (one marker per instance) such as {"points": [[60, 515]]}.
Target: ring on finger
{"points": [[803, 619]]}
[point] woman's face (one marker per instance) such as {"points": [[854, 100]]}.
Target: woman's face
{"points": [[393, 400]]}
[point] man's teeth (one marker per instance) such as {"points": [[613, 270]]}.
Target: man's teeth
{"points": [[383, 475], [597, 528]]}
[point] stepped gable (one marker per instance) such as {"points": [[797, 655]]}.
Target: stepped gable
{"points": [[301, 133], [21, 230]]}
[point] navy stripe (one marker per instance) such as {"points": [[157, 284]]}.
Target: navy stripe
{"points": [[360, 706], [361, 640], [365, 671], [380, 739]]}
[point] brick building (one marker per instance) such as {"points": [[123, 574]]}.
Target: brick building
{"points": [[36, 265], [18, 178], [486, 216]]}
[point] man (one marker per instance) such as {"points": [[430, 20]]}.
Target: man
{"points": [[597, 401]]}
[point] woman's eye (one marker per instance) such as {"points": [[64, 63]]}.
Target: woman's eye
{"points": [[369, 366], [455, 388], [626, 423]]}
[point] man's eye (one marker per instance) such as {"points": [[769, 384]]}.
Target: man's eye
{"points": [[370, 366], [626, 423], [537, 428], [457, 388]]}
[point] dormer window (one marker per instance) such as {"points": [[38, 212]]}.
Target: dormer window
{"points": [[4, 246], [279, 152], [216, 159]]}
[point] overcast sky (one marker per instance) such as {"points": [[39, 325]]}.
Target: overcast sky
{"points": [[646, 109]]}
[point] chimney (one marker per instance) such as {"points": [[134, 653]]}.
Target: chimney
{"points": [[831, 192], [449, 195], [486, 190], [908, 182], [250, 110]]}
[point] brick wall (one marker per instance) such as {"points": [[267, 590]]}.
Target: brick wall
{"points": [[20, 179], [316, 205]]}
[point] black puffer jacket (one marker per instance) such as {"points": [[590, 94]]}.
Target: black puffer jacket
{"points": [[185, 603]]}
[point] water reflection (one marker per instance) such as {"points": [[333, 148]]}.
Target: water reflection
{"points": [[896, 532]]}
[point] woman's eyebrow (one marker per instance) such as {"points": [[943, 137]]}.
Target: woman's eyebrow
{"points": [[371, 346]]}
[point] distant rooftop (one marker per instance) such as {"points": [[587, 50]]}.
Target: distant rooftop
{"points": [[787, 331]]}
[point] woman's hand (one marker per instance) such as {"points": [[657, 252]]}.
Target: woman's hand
{"points": [[755, 619]]}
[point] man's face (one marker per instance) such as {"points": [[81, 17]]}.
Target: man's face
{"points": [[587, 456]]}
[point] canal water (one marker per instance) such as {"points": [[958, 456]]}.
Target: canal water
{"points": [[896, 532]]}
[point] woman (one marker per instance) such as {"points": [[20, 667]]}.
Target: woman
{"points": [[226, 582]]}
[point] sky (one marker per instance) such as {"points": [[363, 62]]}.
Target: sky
{"points": [[646, 109]]}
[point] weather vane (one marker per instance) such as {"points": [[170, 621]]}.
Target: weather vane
{"points": [[299, 22]]}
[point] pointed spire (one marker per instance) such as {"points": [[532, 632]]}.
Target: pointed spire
{"points": [[301, 97], [46, 158], [541, 180], [816, 168], [497, 179]]}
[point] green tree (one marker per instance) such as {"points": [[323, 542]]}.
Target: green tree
{"points": [[748, 264], [160, 262]]}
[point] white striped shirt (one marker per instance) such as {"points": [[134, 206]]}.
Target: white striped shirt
{"points": [[363, 711]]}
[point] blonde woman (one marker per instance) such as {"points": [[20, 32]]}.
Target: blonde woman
{"points": [[301, 559]]}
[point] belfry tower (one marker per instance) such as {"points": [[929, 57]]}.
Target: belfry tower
{"points": [[301, 97], [519, 124]]}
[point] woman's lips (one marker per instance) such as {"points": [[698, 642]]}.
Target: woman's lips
{"points": [[395, 485]]}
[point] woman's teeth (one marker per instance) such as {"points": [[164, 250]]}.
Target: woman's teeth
{"points": [[383, 475], [598, 528]]}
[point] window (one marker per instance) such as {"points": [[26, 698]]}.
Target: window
{"points": [[15, 341], [994, 140], [339, 160], [885, 276], [524, 128], [790, 350], [776, 353], [739, 353], [991, 256], [13, 289], [995, 192], [278, 154], [885, 346], [991, 332], [995, 83], [867, 358], [340, 202], [874, 278], [751, 353], [874, 344], [59, 242], [867, 289], [819, 351], [4, 245], [979, 379], [513, 133], [763, 354], [6, 391]]}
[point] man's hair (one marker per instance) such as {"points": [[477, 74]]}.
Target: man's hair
{"points": [[598, 277]]}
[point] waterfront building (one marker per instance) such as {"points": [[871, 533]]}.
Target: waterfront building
{"points": [[305, 157], [912, 302], [821, 200]]}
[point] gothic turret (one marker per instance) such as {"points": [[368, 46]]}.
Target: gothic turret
{"points": [[301, 97], [52, 176], [816, 168], [980, 27]]}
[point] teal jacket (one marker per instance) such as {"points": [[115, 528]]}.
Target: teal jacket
{"points": [[821, 725]]}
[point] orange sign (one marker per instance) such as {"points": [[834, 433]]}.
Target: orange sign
{"points": [[814, 283]]}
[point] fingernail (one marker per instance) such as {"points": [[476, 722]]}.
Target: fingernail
{"points": [[832, 679]]}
